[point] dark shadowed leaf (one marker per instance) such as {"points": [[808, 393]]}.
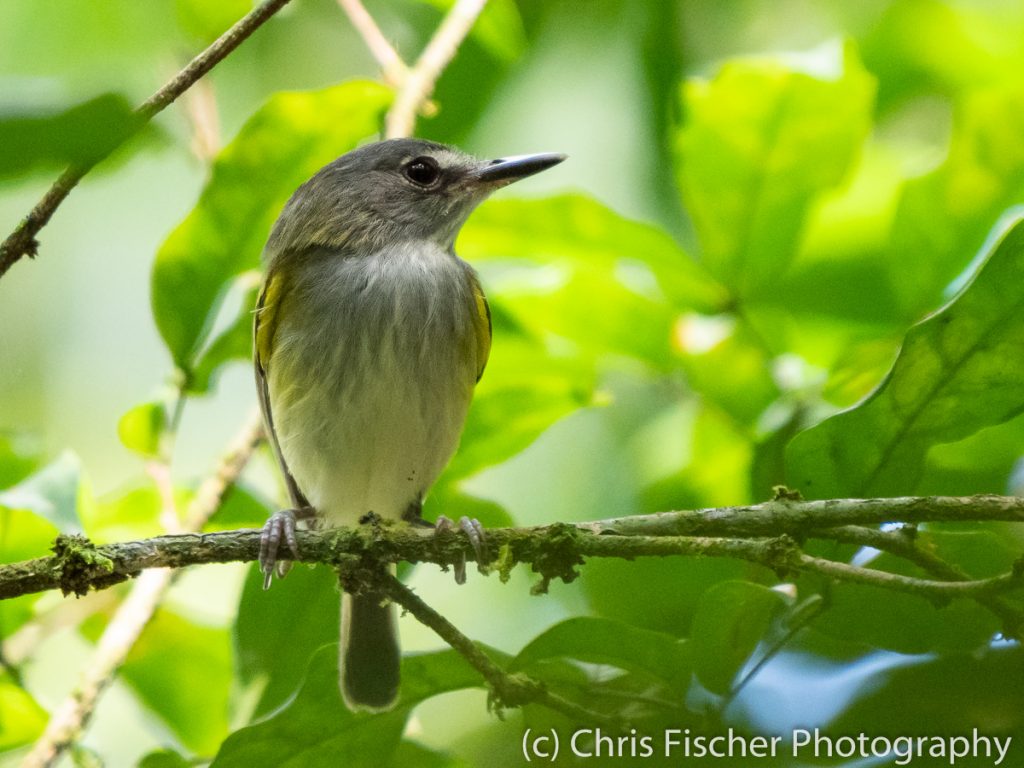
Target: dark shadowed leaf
{"points": [[959, 370], [604, 641], [731, 619]]}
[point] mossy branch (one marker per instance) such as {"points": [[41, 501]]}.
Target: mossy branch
{"points": [[767, 534]]}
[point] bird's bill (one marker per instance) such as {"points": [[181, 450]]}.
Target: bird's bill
{"points": [[505, 170]]}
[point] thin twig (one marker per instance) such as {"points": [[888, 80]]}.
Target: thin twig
{"points": [[70, 718], [22, 241], [419, 83], [391, 64]]}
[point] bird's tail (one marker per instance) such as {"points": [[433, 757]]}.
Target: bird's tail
{"points": [[370, 655]]}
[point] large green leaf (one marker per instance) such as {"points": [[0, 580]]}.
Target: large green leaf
{"points": [[182, 671], [19, 456], [54, 493], [283, 144], [314, 730], [81, 134], [21, 718], [278, 630], [761, 141], [945, 216], [731, 619], [576, 230], [604, 641], [959, 370]]}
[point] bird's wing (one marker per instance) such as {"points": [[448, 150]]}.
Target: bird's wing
{"points": [[481, 324], [264, 328]]}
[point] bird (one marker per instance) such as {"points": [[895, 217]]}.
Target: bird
{"points": [[370, 335]]}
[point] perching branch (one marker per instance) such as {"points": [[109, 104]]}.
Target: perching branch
{"points": [[70, 718], [22, 241], [766, 534]]}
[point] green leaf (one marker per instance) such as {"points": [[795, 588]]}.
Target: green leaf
{"points": [[314, 728], [127, 514], [761, 141], [945, 216], [524, 390], [498, 29], [208, 21], [574, 230], [164, 758], [52, 493], [22, 718], [916, 699], [730, 621], [278, 630], [605, 641], [234, 343], [142, 427], [182, 671], [19, 456], [81, 134], [959, 370], [288, 139]]}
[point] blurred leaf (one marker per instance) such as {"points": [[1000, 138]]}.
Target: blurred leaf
{"points": [[23, 535], [578, 231], [409, 753], [604, 641], [448, 499], [284, 143], [234, 343], [634, 591], [132, 513], [727, 363], [53, 493], [931, 395], [141, 428], [182, 671], [988, 689], [731, 619], [760, 142], [523, 391], [314, 728], [19, 456], [278, 630], [207, 21], [241, 508], [21, 719], [944, 217], [80, 135], [164, 758]]}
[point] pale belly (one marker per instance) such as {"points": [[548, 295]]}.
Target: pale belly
{"points": [[370, 380]]}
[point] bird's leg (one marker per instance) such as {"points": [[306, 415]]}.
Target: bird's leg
{"points": [[470, 526], [280, 525]]}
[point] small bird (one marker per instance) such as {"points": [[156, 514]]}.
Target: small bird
{"points": [[370, 336]]}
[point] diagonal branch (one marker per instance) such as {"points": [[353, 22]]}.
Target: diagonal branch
{"points": [[391, 64], [418, 85], [71, 717], [22, 241]]}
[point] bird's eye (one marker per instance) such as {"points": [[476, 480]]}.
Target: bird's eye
{"points": [[422, 171]]}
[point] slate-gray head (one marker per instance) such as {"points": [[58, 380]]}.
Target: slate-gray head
{"points": [[394, 191]]}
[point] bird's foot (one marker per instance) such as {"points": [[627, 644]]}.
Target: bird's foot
{"points": [[477, 539], [280, 525]]}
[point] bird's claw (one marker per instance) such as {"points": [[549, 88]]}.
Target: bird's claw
{"points": [[477, 539], [280, 526]]}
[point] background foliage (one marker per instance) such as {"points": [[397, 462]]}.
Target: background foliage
{"points": [[772, 212]]}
